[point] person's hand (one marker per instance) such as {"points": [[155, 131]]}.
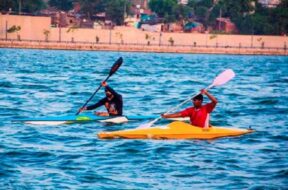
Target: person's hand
{"points": [[104, 84], [82, 109], [101, 113], [204, 91]]}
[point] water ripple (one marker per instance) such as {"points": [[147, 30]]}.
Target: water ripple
{"points": [[38, 83]]}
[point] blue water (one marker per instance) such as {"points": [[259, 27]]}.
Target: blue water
{"points": [[36, 83]]}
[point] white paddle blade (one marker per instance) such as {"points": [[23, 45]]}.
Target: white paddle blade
{"points": [[116, 120], [223, 77]]}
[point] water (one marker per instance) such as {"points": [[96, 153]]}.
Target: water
{"points": [[38, 83]]}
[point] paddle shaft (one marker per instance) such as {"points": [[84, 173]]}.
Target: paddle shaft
{"points": [[113, 69], [178, 106], [91, 97], [221, 79]]}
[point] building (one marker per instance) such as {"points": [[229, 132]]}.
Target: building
{"points": [[270, 3], [183, 2], [140, 4], [225, 25]]}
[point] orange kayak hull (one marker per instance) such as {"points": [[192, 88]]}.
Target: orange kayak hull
{"points": [[175, 130]]}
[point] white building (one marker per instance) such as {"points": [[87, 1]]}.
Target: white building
{"points": [[183, 2], [270, 3]]}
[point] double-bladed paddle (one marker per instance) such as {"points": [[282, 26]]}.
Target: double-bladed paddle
{"points": [[221, 79], [113, 69]]}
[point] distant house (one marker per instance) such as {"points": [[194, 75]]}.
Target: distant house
{"points": [[173, 27], [150, 22], [140, 4], [148, 18], [86, 23], [225, 25], [139, 7], [151, 28], [270, 3], [183, 2], [193, 27]]}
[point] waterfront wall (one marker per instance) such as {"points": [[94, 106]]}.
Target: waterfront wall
{"points": [[31, 27], [124, 38]]}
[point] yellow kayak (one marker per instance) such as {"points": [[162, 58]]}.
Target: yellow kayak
{"points": [[175, 130]]}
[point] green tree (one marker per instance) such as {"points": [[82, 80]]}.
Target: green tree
{"points": [[202, 10], [64, 5], [264, 21], [16, 29], [115, 10], [13, 29], [91, 7], [5, 5], [182, 12], [27, 6], [280, 17], [33, 6], [46, 34], [165, 9]]}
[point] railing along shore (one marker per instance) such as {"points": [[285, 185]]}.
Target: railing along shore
{"points": [[142, 47]]}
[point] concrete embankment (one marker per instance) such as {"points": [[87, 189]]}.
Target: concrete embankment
{"points": [[141, 48], [37, 33]]}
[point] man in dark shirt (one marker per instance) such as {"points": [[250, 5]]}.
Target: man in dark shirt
{"points": [[113, 103]]}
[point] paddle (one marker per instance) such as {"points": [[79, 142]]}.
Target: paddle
{"points": [[221, 79], [113, 69]]}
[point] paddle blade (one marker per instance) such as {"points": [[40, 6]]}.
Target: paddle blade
{"points": [[223, 77], [116, 66]]}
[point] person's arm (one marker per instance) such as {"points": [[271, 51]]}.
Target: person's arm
{"points": [[184, 113], [98, 104], [115, 94], [214, 101], [172, 115]]}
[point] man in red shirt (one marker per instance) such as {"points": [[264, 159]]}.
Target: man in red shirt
{"points": [[199, 114]]}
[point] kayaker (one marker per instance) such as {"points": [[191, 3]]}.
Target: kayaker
{"points": [[199, 114], [113, 103]]}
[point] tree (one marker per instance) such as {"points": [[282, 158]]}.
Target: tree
{"points": [[27, 6], [91, 7], [149, 38], [115, 10], [202, 10], [164, 9], [46, 34], [267, 21], [33, 6], [72, 29], [16, 29], [182, 12], [64, 5], [7, 4], [280, 17], [171, 41], [120, 35]]}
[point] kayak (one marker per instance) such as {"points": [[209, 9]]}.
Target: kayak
{"points": [[175, 130], [87, 117]]}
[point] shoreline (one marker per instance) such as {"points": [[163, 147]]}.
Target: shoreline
{"points": [[37, 33], [89, 46]]}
